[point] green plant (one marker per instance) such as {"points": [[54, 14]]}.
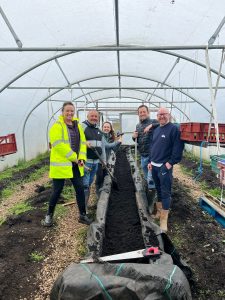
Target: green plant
{"points": [[36, 257], [2, 221], [81, 241], [60, 211], [68, 192], [20, 208]]}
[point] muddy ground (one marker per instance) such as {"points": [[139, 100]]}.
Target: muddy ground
{"points": [[199, 239]]}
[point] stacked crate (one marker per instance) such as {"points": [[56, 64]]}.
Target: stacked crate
{"points": [[221, 166], [8, 144], [198, 132]]}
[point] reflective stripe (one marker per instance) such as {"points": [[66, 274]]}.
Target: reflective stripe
{"points": [[61, 164], [69, 154], [84, 143], [92, 161], [59, 141], [95, 143]]}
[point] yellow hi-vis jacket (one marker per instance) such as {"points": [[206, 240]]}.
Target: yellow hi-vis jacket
{"points": [[62, 156]]}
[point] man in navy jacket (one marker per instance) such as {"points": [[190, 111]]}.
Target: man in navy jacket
{"points": [[166, 151]]}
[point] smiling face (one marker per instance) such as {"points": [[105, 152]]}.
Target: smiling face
{"points": [[106, 127], [93, 117], [68, 112], [143, 113], [163, 116]]}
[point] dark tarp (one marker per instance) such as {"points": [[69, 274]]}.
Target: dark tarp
{"points": [[121, 281]]}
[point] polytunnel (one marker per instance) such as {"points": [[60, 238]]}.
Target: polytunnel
{"points": [[113, 56]]}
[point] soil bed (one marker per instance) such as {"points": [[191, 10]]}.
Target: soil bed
{"points": [[123, 228], [21, 236], [20, 176], [200, 241]]}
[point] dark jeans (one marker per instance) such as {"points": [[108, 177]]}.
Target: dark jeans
{"points": [[58, 185], [100, 175], [163, 179]]}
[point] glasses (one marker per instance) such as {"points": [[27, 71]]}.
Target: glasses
{"points": [[161, 115]]}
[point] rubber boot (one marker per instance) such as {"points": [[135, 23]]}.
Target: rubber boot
{"points": [[163, 220], [158, 212]]}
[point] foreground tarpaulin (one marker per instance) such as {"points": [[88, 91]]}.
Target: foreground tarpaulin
{"points": [[125, 281]]}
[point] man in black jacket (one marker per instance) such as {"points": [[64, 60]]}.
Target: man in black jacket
{"points": [[143, 135], [166, 151], [95, 139]]}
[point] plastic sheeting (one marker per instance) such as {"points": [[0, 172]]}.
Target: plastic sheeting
{"points": [[121, 281]]}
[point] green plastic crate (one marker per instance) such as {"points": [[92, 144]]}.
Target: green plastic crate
{"points": [[213, 163]]}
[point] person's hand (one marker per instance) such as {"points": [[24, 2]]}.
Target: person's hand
{"points": [[168, 165], [88, 144], [149, 166], [80, 163], [147, 128], [120, 139], [135, 134]]}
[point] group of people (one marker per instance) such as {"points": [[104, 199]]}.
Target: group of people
{"points": [[160, 148], [77, 151]]}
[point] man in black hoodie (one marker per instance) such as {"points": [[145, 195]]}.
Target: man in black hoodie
{"points": [[143, 135]]}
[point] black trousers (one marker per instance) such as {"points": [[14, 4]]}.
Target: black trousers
{"points": [[58, 185]]}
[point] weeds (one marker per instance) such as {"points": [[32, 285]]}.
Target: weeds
{"points": [[36, 257], [81, 241], [20, 208]]}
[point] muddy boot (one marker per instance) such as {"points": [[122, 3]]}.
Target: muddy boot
{"points": [[85, 220], [158, 212], [163, 220], [48, 221]]}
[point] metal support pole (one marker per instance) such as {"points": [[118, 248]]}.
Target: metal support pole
{"points": [[18, 41]]}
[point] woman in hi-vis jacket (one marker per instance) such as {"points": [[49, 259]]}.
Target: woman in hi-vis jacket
{"points": [[67, 158]]}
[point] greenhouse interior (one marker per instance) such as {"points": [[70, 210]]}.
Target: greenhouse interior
{"points": [[117, 229]]}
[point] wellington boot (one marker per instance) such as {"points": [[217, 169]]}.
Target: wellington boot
{"points": [[158, 212], [163, 220]]}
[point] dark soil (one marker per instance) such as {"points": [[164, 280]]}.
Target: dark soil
{"points": [[200, 241], [21, 236], [22, 175], [207, 176], [123, 227]]}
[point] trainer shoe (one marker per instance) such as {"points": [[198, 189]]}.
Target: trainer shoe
{"points": [[48, 221], [85, 220]]}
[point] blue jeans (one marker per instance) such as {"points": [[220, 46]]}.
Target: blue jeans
{"points": [[163, 182], [89, 175], [147, 173]]}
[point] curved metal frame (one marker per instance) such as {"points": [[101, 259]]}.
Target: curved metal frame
{"points": [[54, 93], [49, 121], [73, 52], [67, 86]]}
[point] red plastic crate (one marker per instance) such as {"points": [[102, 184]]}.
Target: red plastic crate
{"points": [[222, 176], [198, 132], [8, 144]]}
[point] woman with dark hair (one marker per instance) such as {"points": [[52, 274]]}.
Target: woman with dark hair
{"points": [[111, 144], [67, 157]]}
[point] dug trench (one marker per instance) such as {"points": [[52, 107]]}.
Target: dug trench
{"points": [[123, 227]]}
